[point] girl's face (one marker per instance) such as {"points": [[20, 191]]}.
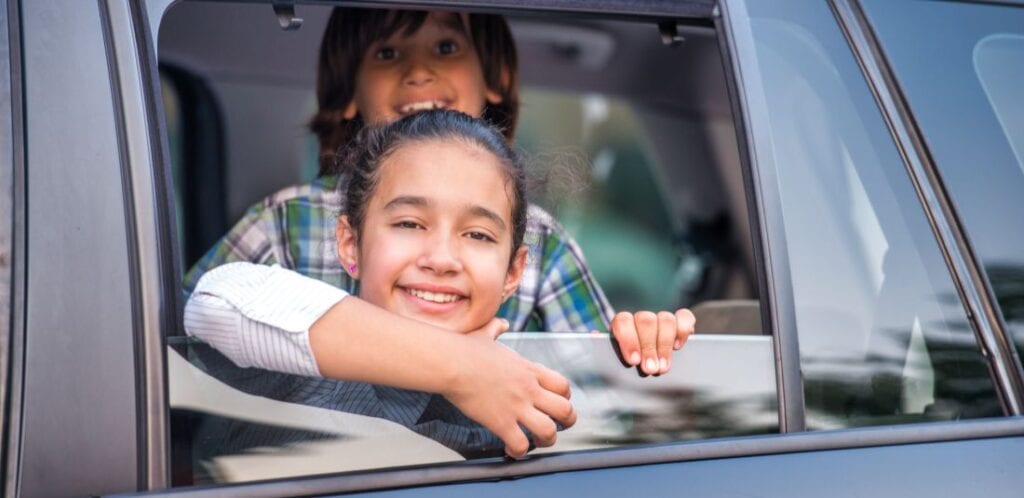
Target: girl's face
{"points": [[437, 236], [435, 67]]}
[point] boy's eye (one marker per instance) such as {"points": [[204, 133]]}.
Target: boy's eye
{"points": [[412, 225], [483, 237], [386, 53], [447, 47]]}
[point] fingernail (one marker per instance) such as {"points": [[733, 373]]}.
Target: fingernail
{"points": [[634, 359], [678, 344], [652, 365], [664, 365]]}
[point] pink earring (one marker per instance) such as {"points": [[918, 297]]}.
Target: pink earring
{"points": [[352, 268]]}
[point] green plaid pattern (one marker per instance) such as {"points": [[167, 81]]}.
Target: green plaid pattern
{"points": [[295, 228]]}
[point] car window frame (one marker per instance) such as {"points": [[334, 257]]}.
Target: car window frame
{"points": [[12, 169]]}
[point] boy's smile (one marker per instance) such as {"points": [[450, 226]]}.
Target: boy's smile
{"points": [[437, 67], [437, 236]]}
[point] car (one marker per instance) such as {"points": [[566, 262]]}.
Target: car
{"points": [[831, 186]]}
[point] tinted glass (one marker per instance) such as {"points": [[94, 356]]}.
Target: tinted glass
{"points": [[961, 66], [883, 337]]}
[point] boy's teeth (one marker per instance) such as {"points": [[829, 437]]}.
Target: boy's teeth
{"points": [[434, 297], [421, 106]]}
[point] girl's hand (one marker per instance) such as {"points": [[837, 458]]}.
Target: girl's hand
{"points": [[502, 390], [647, 339]]}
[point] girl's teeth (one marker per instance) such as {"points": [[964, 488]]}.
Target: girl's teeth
{"points": [[434, 297]]}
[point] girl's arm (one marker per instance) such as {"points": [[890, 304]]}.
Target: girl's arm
{"points": [[488, 382], [249, 313]]}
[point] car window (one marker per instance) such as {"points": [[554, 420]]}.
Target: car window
{"points": [[964, 89], [644, 175], [883, 335]]}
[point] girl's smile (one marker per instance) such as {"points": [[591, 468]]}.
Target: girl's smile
{"points": [[437, 236]]}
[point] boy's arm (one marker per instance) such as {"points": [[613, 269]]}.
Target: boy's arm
{"points": [[567, 296]]}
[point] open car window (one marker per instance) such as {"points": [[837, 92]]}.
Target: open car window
{"points": [[644, 176]]}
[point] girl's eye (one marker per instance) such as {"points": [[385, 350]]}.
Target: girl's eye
{"points": [[386, 53], [447, 47], [483, 237]]}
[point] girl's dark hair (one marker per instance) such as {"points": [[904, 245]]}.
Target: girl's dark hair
{"points": [[348, 36], [360, 161]]}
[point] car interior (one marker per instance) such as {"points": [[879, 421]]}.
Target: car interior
{"points": [[628, 131]]}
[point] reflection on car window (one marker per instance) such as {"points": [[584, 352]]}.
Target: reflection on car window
{"points": [[883, 336], [964, 89], [997, 62]]}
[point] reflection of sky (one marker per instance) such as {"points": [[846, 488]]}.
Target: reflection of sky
{"points": [[954, 71], [999, 62]]}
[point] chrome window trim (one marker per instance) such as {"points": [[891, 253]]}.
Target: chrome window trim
{"points": [[965, 269]]}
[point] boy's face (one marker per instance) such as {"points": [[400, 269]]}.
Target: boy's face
{"points": [[435, 67], [436, 240]]}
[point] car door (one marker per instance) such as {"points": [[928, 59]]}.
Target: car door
{"points": [[889, 364], [85, 287]]}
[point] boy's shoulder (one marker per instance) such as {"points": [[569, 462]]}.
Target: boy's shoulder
{"points": [[541, 222], [321, 192]]}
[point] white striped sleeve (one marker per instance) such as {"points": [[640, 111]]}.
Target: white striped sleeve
{"points": [[259, 316]]}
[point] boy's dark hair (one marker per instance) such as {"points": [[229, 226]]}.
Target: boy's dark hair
{"points": [[360, 161], [348, 36]]}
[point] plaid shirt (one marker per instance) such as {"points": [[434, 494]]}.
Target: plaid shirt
{"points": [[295, 228]]}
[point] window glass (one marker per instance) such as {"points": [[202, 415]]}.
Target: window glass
{"points": [[643, 175], [883, 336], [964, 89]]}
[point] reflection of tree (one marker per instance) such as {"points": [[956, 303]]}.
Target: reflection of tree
{"points": [[199, 438], [682, 414], [854, 391], [429, 415], [1008, 284]]}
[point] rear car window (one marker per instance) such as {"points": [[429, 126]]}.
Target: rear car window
{"points": [[964, 87]]}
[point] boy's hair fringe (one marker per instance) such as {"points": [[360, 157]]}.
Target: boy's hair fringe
{"points": [[349, 34]]}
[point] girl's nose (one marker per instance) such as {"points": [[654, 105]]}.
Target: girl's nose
{"points": [[441, 256]]}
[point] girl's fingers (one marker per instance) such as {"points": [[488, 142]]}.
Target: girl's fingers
{"points": [[666, 339], [552, 381], [557, 408], [542, 427], [624, 330], [516, 443]]}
